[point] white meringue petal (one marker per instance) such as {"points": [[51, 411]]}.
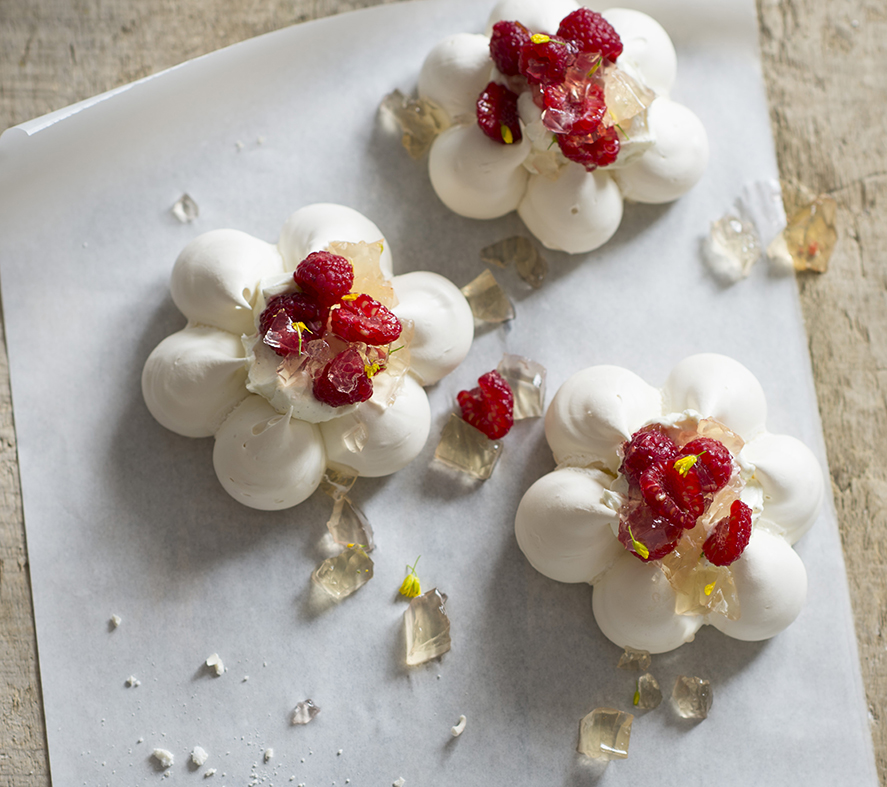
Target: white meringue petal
{"points": [[792, 483], [454, 74], [675, 161], [717, 387], [537, 17], [214, 279], [475, 176], [266, 460], [563, 528], [595, 411], [394, 435], [314, 227], [634, 606], [444, 324], [771, 583], [647, 50], [193, 379], [578, 212]]}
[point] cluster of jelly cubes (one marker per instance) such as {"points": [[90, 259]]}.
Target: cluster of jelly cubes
{"points": [[604, 734]]}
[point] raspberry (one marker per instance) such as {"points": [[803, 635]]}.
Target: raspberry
{"points": [[660, 496], [729, 537], [296, 307], [544, 60], [506, 41], [576, 108], [588, 31], [714, 463], [646, 447], [365, 320], [490, 406], [344, 380], [326, 277], [591, 151], [657, 534], [686, 490], [497, 114]]}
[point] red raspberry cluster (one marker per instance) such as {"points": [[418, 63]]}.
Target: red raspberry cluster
{"points": [[325, 309], [560, 67], [671, 488], [490, 406]]}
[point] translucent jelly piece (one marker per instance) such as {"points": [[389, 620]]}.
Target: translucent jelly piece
{"points": [[731, 248], [368, 276], [604, 734], [531, 266], [305, 712], [708, 588], [185, 209], [526, 379], [692, 697], [648, 695], [467, 449], [337, 483], [341, 575], [349, 526], [709, 427], [632, 659], [388, 383], [356, 437], [487, 299], [419, 119], [427, 627], [625, 97], [810, 237]]}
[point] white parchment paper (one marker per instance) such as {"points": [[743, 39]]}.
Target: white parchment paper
{"points": [[124, 517]]}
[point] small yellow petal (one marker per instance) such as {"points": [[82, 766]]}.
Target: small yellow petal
{"points": [[684, 464], [507, 136], [540, 38], [411, 586], [710, 587], [351, 296]]}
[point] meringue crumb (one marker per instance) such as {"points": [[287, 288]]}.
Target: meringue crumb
{"points": [[400, 782], [457, 730], [209, 772], [115, 621], [164, 757], [214, 662], [199, 756], [269, 753], [132, 681]]}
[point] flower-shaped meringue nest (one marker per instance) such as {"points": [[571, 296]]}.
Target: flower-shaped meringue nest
{"points": [[273, 439], [567, 522], [664, 148]]}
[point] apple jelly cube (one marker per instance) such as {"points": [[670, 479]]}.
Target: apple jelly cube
{"points": [[526, 379], [349, 526], [692, 697], [427, 627], [531, 266], [341, 575], [305, 712], [487, 299], [467, 449], [632, 659], [604, 734], [731, 248], [809, 239], [420, 120], [648, 694]]}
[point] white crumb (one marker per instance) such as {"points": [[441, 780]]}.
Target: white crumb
{"points": [[269, 753], [214, 662], [199, 755], [132, 681], [400, 782], [457, 730], [116, 620], [238, 145], [339, 753], [164, 757], [245, 678], [209, 772]]}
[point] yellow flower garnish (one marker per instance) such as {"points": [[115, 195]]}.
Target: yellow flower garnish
{"points": [[411, 586], [540, 38], [595, 68], [637, 693], [299, 327], [638, 546], [684, 464], [710, 587], [372, 369], [507, 136], [351, 296]]}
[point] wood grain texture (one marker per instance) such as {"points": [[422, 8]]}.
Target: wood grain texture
{"points": [[826, 71]]}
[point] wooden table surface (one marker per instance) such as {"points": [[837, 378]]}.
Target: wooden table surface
{"points": [[825, 65]]}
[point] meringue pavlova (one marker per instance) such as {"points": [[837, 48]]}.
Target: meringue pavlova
{"points": [[304, 354], [560, 113], [676, 504]]}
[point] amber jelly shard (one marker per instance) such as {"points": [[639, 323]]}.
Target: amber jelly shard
{"points": [[526, 379], [809, 238], [420, 120], [349, 526], [487, 299], [337, 483], [185, 209], [604, 734], [692, 697], [467, 449], [427, 627], [531, 266], [305, 712], [341, 575], [732, 248], [648, 695], [632, 659]]}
